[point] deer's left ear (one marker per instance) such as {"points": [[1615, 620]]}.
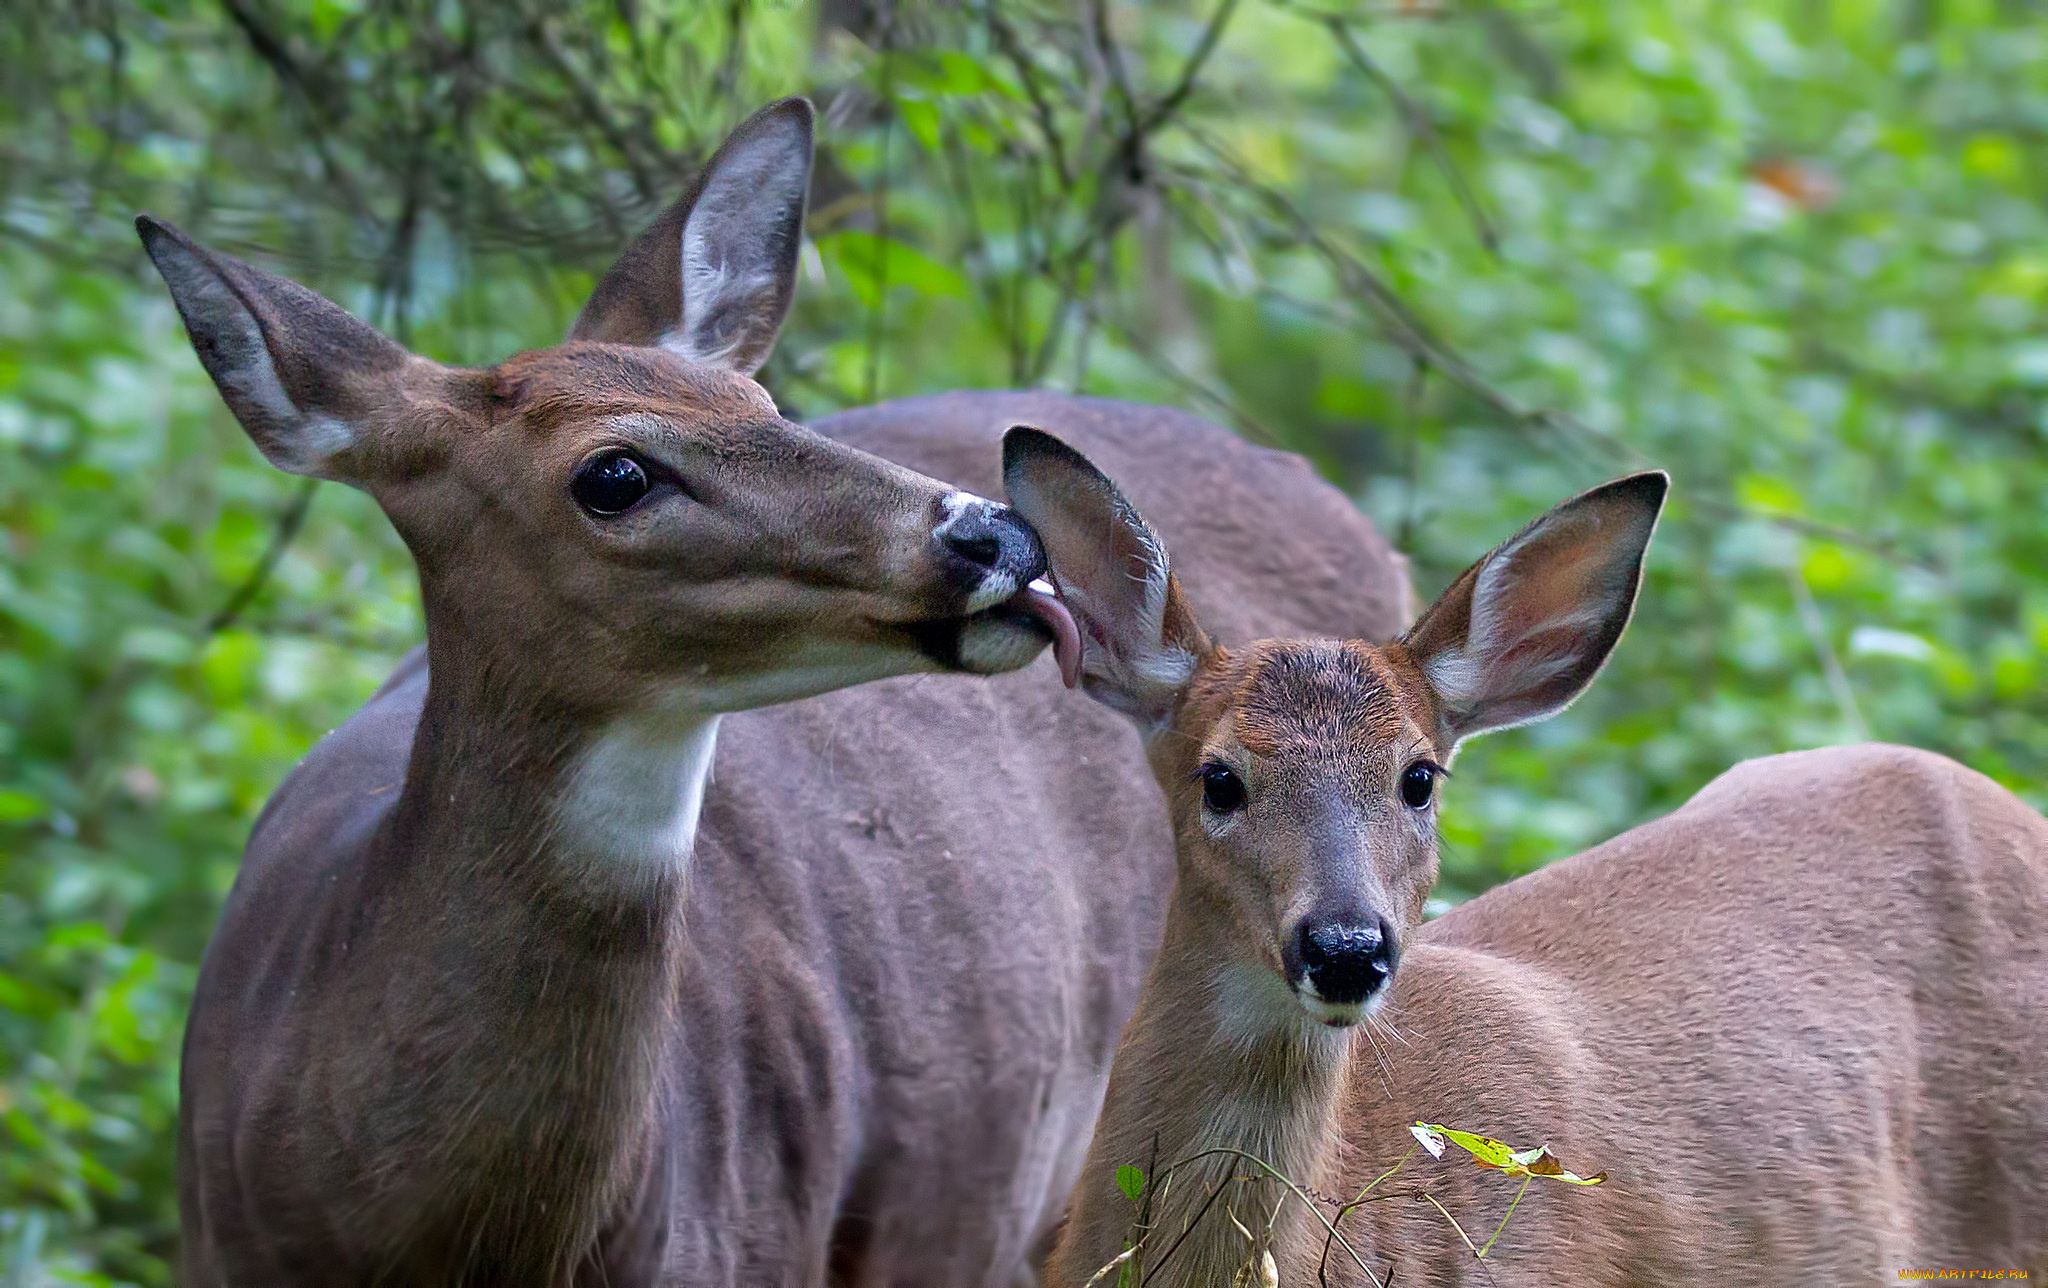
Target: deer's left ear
{"points": [[1139, 640], [712, 278], [1523, 631]]}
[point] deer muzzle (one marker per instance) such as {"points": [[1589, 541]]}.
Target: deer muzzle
{"points": [[1339, 966], [1011, 613]]}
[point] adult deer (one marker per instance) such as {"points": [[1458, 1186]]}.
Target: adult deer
{"points": [[506, 991], [1802, 1022]]}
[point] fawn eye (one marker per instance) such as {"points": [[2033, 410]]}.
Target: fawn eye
{"points": [[1418, 784], [609, 483], [1222, 790]]}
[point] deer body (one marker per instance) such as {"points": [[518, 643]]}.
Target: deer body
{"points": [[1799, 1022]]}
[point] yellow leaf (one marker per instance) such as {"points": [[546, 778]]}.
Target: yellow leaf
{"points": [[1488, 1152]]}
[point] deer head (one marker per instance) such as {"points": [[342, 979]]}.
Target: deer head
{"points": [[1302, 775], [625, 522]]}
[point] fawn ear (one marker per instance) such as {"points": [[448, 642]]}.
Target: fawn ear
{"points": [[1523, 632], [1140, 642], [297, 371], [711, 279]]}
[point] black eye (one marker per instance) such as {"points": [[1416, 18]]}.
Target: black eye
{"points": [[609, 484], [1418, 784], [1222, 789]]}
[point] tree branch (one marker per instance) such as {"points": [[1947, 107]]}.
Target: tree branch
{"points": [[1421, 127], [281, 535], [1166, 106]]}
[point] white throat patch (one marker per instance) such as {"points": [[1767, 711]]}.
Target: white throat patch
{"points": [[630, 814]]}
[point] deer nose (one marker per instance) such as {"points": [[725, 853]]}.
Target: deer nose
{"points": [[994, 543], [1345, 962]]}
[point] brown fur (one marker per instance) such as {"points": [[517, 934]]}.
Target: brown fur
{"points": [[1800, 1022], [492, 1003], [866, 1044]]}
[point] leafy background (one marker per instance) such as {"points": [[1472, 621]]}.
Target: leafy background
{"points": [[1467, 259]]}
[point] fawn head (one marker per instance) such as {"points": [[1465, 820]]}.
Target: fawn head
{"points": [[625, 520], [1302, 775]]}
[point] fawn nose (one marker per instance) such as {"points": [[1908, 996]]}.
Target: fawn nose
{"points": [[994, 543], [1344, 962]]}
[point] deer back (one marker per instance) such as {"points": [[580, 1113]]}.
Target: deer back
{"points": [[1799, 1022]]}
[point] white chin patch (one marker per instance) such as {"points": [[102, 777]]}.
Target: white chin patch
{"points": [[996, 588], [1336, 1015], [992, 645]]}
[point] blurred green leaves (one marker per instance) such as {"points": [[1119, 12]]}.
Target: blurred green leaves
{"points": [[137, 744]]}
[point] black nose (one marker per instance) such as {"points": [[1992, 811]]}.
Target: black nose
{"points": [[994, 538], [1346, 961]]}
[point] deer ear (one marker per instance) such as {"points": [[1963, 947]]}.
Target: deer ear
{"points": [[297, 371], [1523, 632], [1139, 640], [712, 278]]}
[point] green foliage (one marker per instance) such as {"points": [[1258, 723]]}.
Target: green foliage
{"points": [[1527, 1164], [1131, 1181], [141, 733], [1469, 260]]}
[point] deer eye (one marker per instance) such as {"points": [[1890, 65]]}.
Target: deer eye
{"points": [[1222, 790], [609, 483], [1418, 784]]}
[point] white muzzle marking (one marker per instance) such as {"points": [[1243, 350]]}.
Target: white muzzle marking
{"points": [[998, 585]]}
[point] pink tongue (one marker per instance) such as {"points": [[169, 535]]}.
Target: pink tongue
{"points": [[1066, 639]]}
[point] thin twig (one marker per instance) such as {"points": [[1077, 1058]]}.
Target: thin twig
{"points": [[727, 79], [1422, 127], [591, 103], [1431, 1198], [1830, 665], [1027, 72], [1246, 423], [1505, 1215], [1882, 547], [1298, 1192], [2013, 414], [1113, 59], [1363, 1197], [1399, 323], [1215, 1192], [1156, 115], [878, 314], [287, 527]]}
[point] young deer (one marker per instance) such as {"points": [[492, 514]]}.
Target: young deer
{"points": [[505, 993], [1801, 1023]]}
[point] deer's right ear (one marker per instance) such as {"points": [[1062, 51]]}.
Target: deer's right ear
{"points": [[712, 278], [297, 371], [1140, 641]]}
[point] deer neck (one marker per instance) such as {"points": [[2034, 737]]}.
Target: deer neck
{"points": [[529, 888], [1221, 1067], [598, 814]]}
